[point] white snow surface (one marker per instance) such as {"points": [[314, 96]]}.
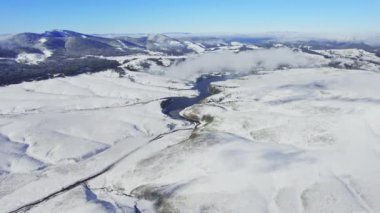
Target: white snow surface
{"points": [[30, 58], [354, 57], [285, 141], [34, 58], [296, 140], [57, 131], [198, 48], [42, 40]]}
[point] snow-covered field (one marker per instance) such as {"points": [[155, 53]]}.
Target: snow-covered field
{"points": [[286, 141], [296, 140], [55, 132]]}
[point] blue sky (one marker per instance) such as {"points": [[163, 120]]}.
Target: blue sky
{"points": [[198, 16]]}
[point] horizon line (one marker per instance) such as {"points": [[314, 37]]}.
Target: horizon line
{"points": [[309, 33]]}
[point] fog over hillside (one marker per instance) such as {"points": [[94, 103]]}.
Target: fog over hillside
{"points": [[245, 62]]}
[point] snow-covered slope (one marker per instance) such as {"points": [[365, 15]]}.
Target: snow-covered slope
{"points": [[165, 44], [353, 58], [284, 140], [298, 140], [55, 132]]}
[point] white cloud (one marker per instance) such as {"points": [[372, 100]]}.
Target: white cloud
{"points": [[263, 59]]}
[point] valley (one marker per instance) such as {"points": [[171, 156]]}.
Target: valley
{"points": [[189, 124]]}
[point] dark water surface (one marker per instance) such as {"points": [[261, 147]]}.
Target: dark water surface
{"points": [[172, 106]]}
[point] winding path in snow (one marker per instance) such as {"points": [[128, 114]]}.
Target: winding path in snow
{"points": [[79, 182]]}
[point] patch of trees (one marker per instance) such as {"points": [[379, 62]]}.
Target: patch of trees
{"points": [[12, 72]]}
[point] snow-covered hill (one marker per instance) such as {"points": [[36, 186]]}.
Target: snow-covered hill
{"points": [[290, 141], [33, 56], [51, 128], [288, 126]]}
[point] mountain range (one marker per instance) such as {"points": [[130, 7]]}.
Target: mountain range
{"points": [[34, 56]]}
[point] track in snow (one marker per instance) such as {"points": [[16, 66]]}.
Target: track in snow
{"points": [[30, 205]]}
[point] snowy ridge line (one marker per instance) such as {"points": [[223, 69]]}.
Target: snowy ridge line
{"points": [[114, 107], [32, 204], [33, 112], [104, 96]]}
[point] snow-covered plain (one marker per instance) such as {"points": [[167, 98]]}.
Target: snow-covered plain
{"points": [[291, 140]]}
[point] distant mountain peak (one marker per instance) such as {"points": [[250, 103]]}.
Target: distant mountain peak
{"points": [[62, 33]]}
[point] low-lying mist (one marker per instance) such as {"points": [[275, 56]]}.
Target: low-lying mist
{"points": [[244, 62]]}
